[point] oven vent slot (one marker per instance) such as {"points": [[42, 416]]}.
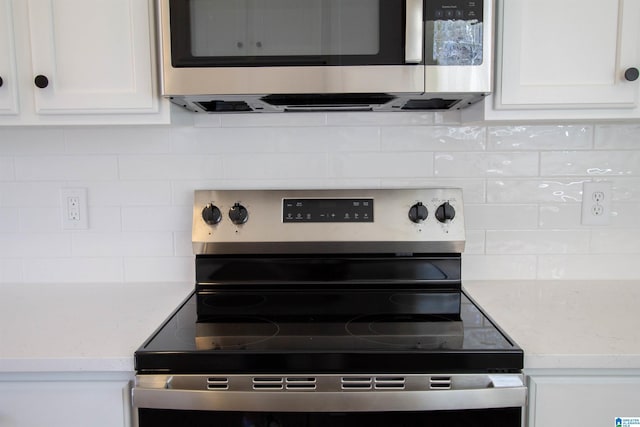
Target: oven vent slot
{"points": [[300, 383], [268, 383], [389, 383], [440, 383], [359, 383], [217, 383]]}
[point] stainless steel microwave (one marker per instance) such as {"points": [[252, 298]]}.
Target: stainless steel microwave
{"points": [[325, 55]]}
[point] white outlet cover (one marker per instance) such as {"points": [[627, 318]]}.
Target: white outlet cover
{"points": [[594, 210], [79, 218]]}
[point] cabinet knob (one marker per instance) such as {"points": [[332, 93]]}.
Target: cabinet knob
{"points": [[1, 82], [41, 81], [632, 74]]}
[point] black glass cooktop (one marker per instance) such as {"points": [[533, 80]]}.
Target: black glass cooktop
{"points": [[326, 332]]}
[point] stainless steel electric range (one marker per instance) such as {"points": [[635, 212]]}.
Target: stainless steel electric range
{"points": [[328, 308]]}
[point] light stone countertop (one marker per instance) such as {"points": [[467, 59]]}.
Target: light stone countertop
{"points": [[97, 327], [567, 324], [81, 327]]}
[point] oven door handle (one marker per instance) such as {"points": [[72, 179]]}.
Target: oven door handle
{"points": [[304, 401], [413, 32]]}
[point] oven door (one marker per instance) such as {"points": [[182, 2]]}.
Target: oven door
{"points": [[291, 46], [298, 401]]}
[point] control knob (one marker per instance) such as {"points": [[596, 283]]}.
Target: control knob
{"points": [[211, 214], [238, 214], [445, 212], [418, 212]]}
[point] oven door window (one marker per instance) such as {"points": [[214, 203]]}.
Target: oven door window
{"points": [[503, 417], [209, 33]]}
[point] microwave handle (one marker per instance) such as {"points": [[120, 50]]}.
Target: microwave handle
{"points": [[414, 24]]}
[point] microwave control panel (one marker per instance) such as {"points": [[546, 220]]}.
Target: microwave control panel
{"points": [[454, 10]]}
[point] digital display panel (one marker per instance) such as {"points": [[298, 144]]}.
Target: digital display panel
{"points": [[327, 210]]}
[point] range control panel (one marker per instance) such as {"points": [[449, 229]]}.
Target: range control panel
{"points": [[308, 221], [327, 210]]}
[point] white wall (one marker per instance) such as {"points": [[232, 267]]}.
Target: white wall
{"points": [[522, 187]]}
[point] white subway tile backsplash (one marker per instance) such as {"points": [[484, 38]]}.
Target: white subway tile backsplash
{"points": [[31, 194], [626, 189], [10, 270], [73, 270], [31, 141], [381, 165], [329, 139], [473, 190], [498, 267], [453, 164], [537, 241], [128, 193], [563, 216], [595, 164], [269, 120], [537, 138], [128, 244], [157, 218], [625, 215], [275, 166], [434, 138], [161, 269], [182, 244], [615, 241], [40, 220], [382, 119], [7, 170], [534, 190], [475, 242], [617, 137], [17, 245], [9, 220], [105, 218], [522, 188], [588, 267], [190, 140], [71, 168], [501, 217], [175, 166], [116, 140]]}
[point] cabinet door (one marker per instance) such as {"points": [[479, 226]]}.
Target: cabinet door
{"points": [[568, 54], [69, 404], [560, 401], [95, 54], [9, 86]]}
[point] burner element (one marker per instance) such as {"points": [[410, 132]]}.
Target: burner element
{"points": [[407, 331], [233, 332]]}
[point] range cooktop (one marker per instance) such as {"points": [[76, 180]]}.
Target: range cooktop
{"points": [[319, 333]]}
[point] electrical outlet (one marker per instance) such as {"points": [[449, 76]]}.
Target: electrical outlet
{"points": [[75, 215], [596, 203]]}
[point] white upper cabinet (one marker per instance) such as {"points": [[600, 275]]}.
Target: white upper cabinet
{"points": [[8, 86], [80, 62], [567, 59]]}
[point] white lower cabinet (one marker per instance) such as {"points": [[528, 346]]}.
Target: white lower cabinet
{"points": [[582, 400], [55, 402]]}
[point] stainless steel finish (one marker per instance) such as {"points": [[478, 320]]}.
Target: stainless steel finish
{"points": [[414, 37], [465, 391], [391, 231], [188, 86], [477, 78]]}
